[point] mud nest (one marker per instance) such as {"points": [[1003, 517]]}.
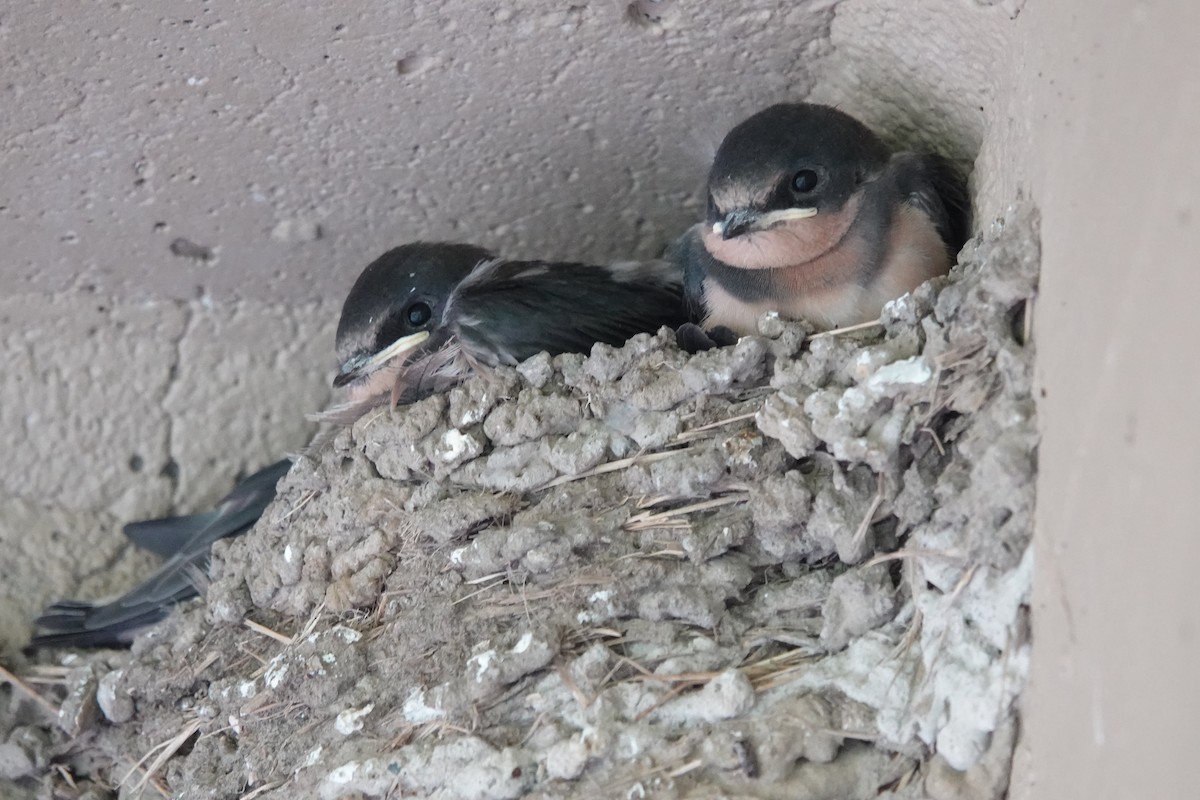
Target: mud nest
{"points": [[796, 567]]}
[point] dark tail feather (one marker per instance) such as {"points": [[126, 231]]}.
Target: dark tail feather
{"points": [[77, 634], [166, 537], [64, 615], [72, 623]]}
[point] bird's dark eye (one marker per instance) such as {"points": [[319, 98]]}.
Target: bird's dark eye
{"points": [[418, 314], [804, 181]]}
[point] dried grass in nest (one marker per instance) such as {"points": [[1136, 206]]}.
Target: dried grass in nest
{"points": [[672, 518], [26, 689], [519, 600], [161, 753], [764, 673]]}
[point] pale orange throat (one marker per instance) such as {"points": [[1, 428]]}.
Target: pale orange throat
{"points": [[378, 384], [789, 244], [835, 289]]}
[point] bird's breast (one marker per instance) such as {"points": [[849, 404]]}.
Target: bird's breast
{"points": [[829, 307], [914, 253], [848, 284], [366, 391]]}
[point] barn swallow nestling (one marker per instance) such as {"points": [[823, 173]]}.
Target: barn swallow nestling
{"points": [[419, 319], [424, 316], [811, 215]]}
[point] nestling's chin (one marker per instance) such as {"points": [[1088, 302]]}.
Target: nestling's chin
{"points": [[771, 249], [787, 244], [378, 384]]}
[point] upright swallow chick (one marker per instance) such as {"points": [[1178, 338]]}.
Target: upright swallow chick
{"points": [[424, 316], [419, 319], [811, 215]]}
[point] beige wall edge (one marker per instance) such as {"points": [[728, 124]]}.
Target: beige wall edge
{"points": [[1115, 111]]}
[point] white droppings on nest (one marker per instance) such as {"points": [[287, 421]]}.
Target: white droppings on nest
{"points": [[343, 774], [603, 608], [276, 672], [482, 662], [350, 721], [909, 372], [473, 415], [347, 635], [417, 711], [454, 445], [887, 381], [314, 756]]}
